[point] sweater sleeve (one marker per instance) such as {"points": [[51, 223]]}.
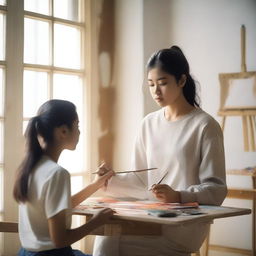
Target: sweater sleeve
{"points": [[212, 187]]}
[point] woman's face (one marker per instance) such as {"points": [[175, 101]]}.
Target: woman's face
{"points": [[164, 88]]}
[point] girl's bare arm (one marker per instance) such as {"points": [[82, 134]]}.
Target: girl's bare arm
{"points": [[63, 237]]}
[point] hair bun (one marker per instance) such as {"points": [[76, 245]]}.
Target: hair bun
{"points": [[176, 48]]}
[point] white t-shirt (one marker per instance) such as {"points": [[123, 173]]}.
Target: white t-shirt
{"points": [[48, 193], [191, 151]]}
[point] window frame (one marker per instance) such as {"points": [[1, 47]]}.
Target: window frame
{"points": [[51, 69], [3, 10], [13, 115]]}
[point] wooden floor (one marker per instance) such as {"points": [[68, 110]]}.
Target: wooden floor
{"points": [[225, 251]]}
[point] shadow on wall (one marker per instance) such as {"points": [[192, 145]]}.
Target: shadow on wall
{"points": [[106, 88]]}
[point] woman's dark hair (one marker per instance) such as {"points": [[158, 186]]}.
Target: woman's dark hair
{"points": [[173, 62], [51, 114]]}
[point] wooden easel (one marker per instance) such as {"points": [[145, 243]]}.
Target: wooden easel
{"points": [[248, 114]]}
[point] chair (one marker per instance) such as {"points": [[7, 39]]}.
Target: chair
{"points": [[8, 227]]}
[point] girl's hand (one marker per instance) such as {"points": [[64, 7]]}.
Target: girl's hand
{"points": [[102, 216], [165, 193], [103, 175]]}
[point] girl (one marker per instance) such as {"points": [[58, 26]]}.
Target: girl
{"points": [[186, 145], [42, 187]]}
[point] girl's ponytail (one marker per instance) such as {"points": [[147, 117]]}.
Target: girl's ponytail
{"points": [[189, 91], [33, 154], [51, 114]]}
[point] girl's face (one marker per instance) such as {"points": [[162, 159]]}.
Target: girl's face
{"points": [[73, 136], [164, 88]]}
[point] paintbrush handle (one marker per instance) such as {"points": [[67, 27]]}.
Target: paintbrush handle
{"points": [[141, 170], [160, 180]]}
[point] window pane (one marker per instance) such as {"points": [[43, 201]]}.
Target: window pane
{"points": [[1, 92], [35, 91], [67, 40], [76, 184], [2, 2], [39, 6], [2, 36], [36, 42], [67, 9], [73, 161], [1, 140], [69, 87]]}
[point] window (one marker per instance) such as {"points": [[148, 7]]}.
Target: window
{"points": [[53, 64], [44, 48]]}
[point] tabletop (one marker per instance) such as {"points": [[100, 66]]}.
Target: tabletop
{"points": [[144, 224]]}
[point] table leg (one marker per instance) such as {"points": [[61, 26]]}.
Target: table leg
{"points": [[207, 244]]}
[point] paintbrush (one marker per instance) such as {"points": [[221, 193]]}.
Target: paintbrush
{"points": [[119, 172], [159, 181]]}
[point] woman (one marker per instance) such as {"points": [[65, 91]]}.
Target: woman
{"points": [[42, 187], [186, 145]]}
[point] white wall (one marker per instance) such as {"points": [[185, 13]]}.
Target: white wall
{"points": [[156, 35], [128, 78]]}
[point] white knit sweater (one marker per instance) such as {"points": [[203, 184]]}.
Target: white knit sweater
{"points": [[191, 151]]}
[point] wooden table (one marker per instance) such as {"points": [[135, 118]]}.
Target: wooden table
{"points": [[149, 225]]}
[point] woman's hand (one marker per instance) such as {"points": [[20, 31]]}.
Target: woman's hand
{"points": [[103, 175], [165, 193], [102, 216]]}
